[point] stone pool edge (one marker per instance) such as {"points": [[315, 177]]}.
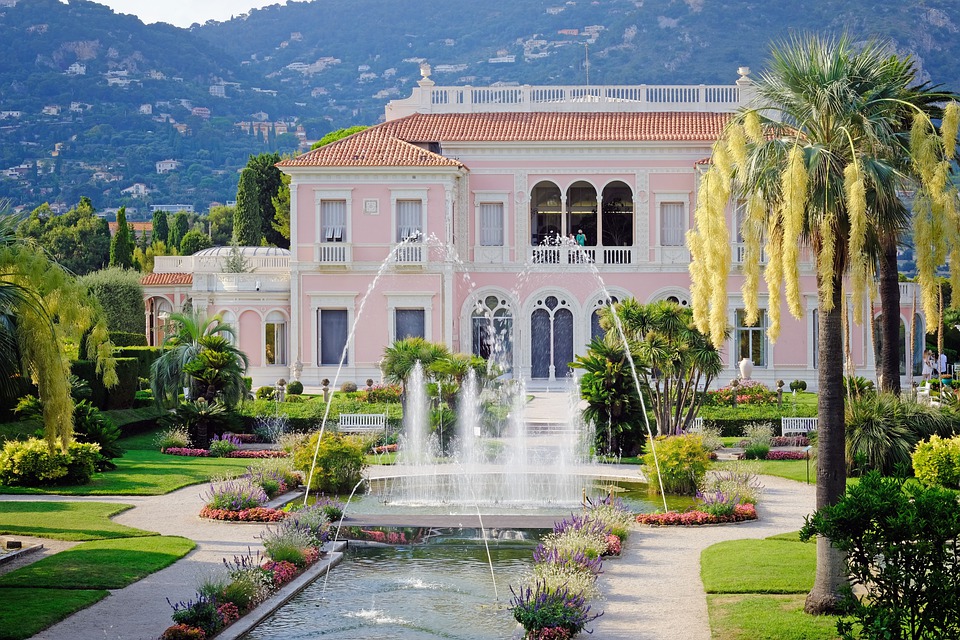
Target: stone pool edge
{"points": [[246, 624]]}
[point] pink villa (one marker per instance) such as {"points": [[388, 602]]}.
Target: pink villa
{"points": [[458, 219]]}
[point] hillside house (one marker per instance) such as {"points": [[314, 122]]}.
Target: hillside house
{"points": [[454, 220], [166, 166]]}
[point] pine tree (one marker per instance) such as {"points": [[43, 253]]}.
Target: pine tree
{"points": [[246, 218], [121, 245]]}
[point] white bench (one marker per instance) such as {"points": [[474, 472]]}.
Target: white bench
{"points": [[362, 423], [696, 426], [797, 426]]}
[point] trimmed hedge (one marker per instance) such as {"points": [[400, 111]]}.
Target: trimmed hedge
{"points": [[118, 397], [303, 417], [144, 355], [127, 339]]}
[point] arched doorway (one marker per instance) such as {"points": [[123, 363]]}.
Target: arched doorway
{"points": [[616, 223], [158, 319], [582, 212], [551, 338], [491, 324], [546, 214]]}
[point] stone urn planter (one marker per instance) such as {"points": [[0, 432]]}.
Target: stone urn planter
{"points": [[746, 369]]}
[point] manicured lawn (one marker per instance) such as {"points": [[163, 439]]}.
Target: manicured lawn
{"points": [[790, 469], [65, 520], [757, 590], [146, 473], [759, 566], [25, 612], [103, 564], [383, 458]]}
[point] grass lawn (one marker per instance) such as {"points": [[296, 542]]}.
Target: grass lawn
{"points": [[789, 469], [65, 520], [146, 473], [25, 612], [102, 564], [757, 590]]}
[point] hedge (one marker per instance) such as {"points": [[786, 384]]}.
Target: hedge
{"points": [[118, 397], [144, 355], [127, 339], [304, 417]]}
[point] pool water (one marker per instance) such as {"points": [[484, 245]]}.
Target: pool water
{"points": [[441, 588]]}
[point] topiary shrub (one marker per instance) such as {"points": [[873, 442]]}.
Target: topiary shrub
{"points": [[121, 295], [266, 393], [294, 388], [683, 463], [145, 357], [31, 463], [348, 387], [936, 462], [340, 462]]}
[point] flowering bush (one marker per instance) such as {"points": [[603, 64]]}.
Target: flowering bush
{"points": [[282, 571], [739, 480], [387, 393], [538, 608], [235, 495], [612, 513], [273, 482], [221, 446], [183, 451], [229, 613], [172, 438], [787, 455], [245, 438], [249, 582], [200, 613], [312, 521], [613, 546], [258, 453], [183, 632], [740, 513], [333, 509], [256, 514], [386, 448], [717, 503], [746, 392]]}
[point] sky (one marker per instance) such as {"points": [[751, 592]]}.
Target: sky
{"points": [[183, 13]]}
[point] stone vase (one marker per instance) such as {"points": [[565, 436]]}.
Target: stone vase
{"points": [[746, 369]]}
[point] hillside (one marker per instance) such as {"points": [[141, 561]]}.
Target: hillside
{"points": [[90, 100]]}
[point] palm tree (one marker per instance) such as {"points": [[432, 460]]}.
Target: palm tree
{"points": [[828, 128], [197, 338]]}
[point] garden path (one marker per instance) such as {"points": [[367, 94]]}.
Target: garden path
{"points": [[654, 591]]}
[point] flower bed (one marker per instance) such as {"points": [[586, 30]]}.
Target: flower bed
{"points": [[787, 455], [254, 514], [781, 441], [387, 448], [239, 453], [741, 513]]}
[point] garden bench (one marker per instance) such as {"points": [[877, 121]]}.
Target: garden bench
{"points": [[797, 426], [362, 423], [696, 426]]}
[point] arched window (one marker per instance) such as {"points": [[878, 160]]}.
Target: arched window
{"points": [[617, 219], [230, 318], [492, 331], [275, 339], [582, 212], [160, 310], [546, 214], [551, 338], [596, 331]]}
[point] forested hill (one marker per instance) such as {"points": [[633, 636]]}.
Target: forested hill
{"points": [[91, 100]]}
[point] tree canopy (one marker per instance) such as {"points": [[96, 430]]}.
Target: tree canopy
{"points": [[78, 240]]}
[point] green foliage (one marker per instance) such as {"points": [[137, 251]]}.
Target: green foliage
{"points": [[220, 221], [178, 230], [92, 426], [121, 245], [246, 219], [201, 419], [294, 388], [683, 464], [340, 462], [265, 393], [613, 404], [858, 386], [32, 463], [339, 134], [758, 441], [798, 385], [145, 357], [268, 181], [348, 387], [194, 241], [900, 548], [936, 462], [122, 339], [176, 437], [122, 394], [78, 239], [161, 226]]}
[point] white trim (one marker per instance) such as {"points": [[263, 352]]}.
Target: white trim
{"points": [[319, 195], [486, 254], [667, 197], [331, 300], [408, 194], [410, 300]]}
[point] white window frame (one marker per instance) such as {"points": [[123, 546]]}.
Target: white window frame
{"points": [[285, 351], [338, 300], [397, 195], [761, 327], [673, 198], [481, 198], [346, 195], [334, 234], [410, 300]]}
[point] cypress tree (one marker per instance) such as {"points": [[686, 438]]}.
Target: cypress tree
{"points": [[246, 217], [121, 245], [161, 229], [178, 229]]}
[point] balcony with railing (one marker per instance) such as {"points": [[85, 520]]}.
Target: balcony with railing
{"points": [[571, 255], [333, 253], [217, 260]]}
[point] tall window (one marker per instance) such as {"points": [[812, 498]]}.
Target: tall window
{"points": [[333, 220], [491, 224], [275, 339], [492, 331], [752, 341], [409, 219], [332, 335], [409, 323], [671, 224]]}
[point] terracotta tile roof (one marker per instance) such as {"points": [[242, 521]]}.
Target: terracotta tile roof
{"points": [[166, 278], [374, 147], [388, 144]]}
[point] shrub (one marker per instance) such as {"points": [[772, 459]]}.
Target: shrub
{"points": [[388, 393], [249, 583], [235, 495], [121, 296], [340, 463], [936, 462], [746, 392], [348, 387], [270, 428], [286, 544], [200, 613], [882, 430], [798, 385], [312, 521], [32, 463], [183, 632], [266, 393], [711, 438], [257, 453], [294, 388], [91, 426], [786, 455], [172, 437], [759, 437], [145, 357], [222, 446], [229, 613], [739, 479], [190, 453], [332, 509], [717, 503], [901, 554], [538, 608], [254, 514], [612, 513], [683, 463]]}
